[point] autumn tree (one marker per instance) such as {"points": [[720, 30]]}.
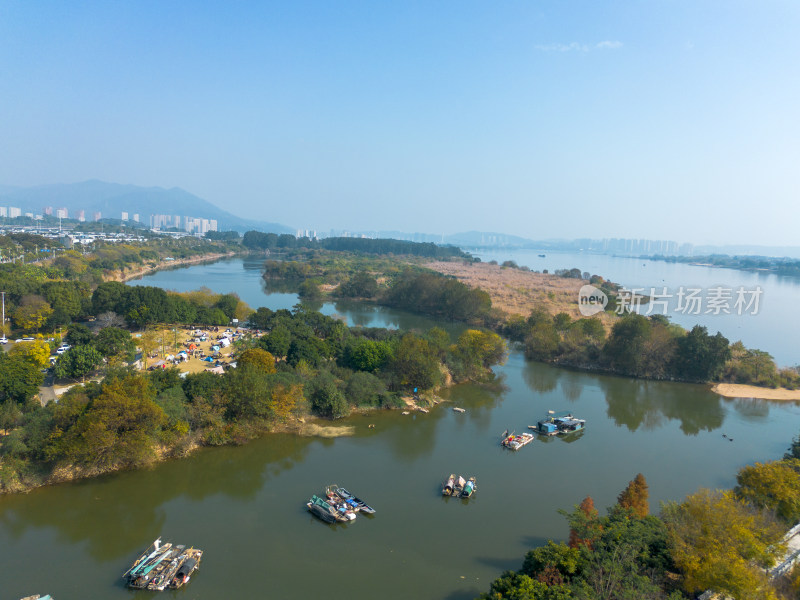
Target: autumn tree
{"points": [[589, 512], [32, 312], [635, 496], [285, 398], [37, 352], [719, 542], [773, 486], [258, 359]]}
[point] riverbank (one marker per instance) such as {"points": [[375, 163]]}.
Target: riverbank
{"points": [[135, 273], [735, 390]]}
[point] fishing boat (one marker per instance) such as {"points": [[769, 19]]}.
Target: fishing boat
{"points": [[458, 410], [458, 487], [469, 488], [515, 442], [447, 488], [328, 511], [188, 566], [560, 424], [355, 501]]}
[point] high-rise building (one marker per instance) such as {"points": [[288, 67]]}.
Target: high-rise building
{"points": [[14, 212], [48, 210], [3, 211], [97, 216], [81, 216], [124, 216], [136, 217], [62, 213]]}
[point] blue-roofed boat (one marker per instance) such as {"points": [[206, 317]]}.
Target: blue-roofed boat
{"points": [[560, 424]]}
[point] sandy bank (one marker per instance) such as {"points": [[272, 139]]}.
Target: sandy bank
{"points": [[735, 390]]}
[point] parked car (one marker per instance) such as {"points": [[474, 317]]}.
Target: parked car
{"points": [[63, 348], [26, 339]]}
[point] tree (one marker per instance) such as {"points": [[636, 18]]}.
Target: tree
{"points": [[518, 586], [118, 428], [360, 285], [415, 364], [19, 378], [624, 349], [699, 356], [285, 397], [773, 486], [721, 543], [587, 522], [32, 312], [78, 335], [364, 389], [326, 398], [258, 359], [77, 362], [277, 342], [114, 341], [634, 497], [36, 352]]}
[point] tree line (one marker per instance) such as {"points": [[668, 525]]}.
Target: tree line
{"points": [[256, 240]]}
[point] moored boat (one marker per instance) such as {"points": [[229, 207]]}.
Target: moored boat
{"points": [[469, 488], [189, 564], [560, 424], [329, 512], [515, 442], [355, 501], [447, 488], [458, 487]]}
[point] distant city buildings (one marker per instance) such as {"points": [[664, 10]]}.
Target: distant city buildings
{"points": [[14, 212], [97, 216], [3, 211], [62, 213], [195, 225], [124, 216], [81, 216], [48, 210], [309, 233]]}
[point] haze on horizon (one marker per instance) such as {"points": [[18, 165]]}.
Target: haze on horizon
{"points": [[661, 120]]}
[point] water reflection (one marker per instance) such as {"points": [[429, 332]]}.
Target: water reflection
{"points": [[636, 403], [112, 525], [541, 378]]}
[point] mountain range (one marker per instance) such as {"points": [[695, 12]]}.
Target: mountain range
{"points": [[112, 199]]}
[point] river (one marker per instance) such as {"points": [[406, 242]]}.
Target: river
{"points": [[245, 505]]}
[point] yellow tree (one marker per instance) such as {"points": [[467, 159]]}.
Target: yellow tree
{"points": [[37, 352], [285, 398], [774, 486], [257, 358], [721, 543], [32, 312], [148, 342]]}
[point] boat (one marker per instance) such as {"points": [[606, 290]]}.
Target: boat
{"points": [[458, 487], [188, 566], [355, 501], [447, 488], [560, 424], [328, 511], [515, 442], [458, 410], [162, 566], [469, 488]]}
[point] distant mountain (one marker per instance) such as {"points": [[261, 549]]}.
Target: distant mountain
{"points": [[111, 199]]}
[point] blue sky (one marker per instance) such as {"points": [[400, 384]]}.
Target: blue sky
{"points": [[657, 119]]}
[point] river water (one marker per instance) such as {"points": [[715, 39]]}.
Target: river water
{"points": [[245, 505]]}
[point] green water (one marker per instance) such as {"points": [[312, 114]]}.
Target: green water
{"points": [[245, 505]]}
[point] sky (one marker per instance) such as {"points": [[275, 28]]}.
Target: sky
{"points": [[659, 119]]}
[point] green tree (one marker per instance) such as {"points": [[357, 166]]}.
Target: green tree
{"points": [[77, 362], [625, 348], [364, 389], [699, 356], [277, 342], [78, 334], [326, 398], [415, 364], [114, 341], [19, 378]]}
